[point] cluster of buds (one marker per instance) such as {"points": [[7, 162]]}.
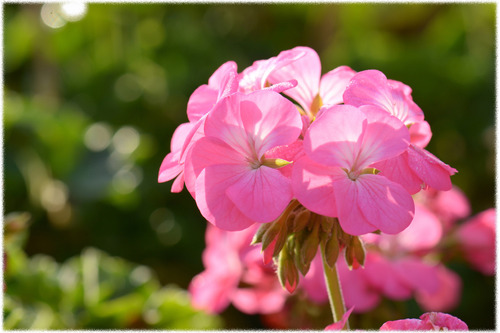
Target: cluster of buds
{"points": [[292, 240]]}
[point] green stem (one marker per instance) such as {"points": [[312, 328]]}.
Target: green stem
{"points": [[334, 291]]}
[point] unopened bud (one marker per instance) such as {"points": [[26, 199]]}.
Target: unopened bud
{"points": [[358, 250], [270, 234], [327, 224], [257, 238], [301, 220], [309, 247], [274, 163], [332, 250], [287, 271]]}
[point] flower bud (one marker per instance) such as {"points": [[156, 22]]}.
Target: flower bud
{"points": [[301, 220], [287, 271], [332, 250]]}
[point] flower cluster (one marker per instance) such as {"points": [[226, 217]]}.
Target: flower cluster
{"points": [[346, 145]]}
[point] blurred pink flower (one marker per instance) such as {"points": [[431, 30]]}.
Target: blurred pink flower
{"points": [[234, 187], [332, 179], [477, 239], [446, 296], [430, 321], [231, 261]]}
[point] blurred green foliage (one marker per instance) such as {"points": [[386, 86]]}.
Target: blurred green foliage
{"points": [[89, 291], [90, 107]]}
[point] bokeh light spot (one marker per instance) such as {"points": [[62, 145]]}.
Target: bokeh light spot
{"points": [[126, 140], [51, 15], [97, 136], [73, 11]]}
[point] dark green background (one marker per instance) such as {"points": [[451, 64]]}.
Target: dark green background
{"points": [[60, 81]]}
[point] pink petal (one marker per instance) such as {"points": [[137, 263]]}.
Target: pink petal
{"points": [[406, 325], [373, 202], [261, 194], [444, 320], [178, 184], [169, 168], [334, 138], [333, 84], [211, 198], [371, 87], [382, 274], [314, 282], [430, 169], [339, 325], [291, 152], [385, 137], [420, 134], [397, 170], [211, 289], [218, 77], [306, 70], [312, 185], [201, 101]]}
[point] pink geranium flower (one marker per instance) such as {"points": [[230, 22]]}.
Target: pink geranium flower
{"points": [[477, 239], [235, 185], [334, 178], [446, 297], [430, 321], [339, 325], [311, 85]]}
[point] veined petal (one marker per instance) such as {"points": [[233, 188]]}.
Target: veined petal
{"points": [[211, 198], [306, 70], [169, 168], [312, 185], [335, 137], [420, 134], [373, 202], [385, 137], [397, 170], [261, 194], [333, 84]]}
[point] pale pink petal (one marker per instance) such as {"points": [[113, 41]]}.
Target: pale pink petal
{"points": [[450, 205], [333, 84], [169, 168], [254, 123], [218, 77], [385, 137], [270, 120], [306, 70], [430, 169], [420, 134], [339, 325], [180, 135], [448, 294], [312, 185], [211, 198], [261, 194], [444, 321], [372, 202], [178, 184], [282, 86], [334, 138], [424, 233], [371, 87]]}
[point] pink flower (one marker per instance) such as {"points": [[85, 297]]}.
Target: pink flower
{"points": [[234, 186], [430, 321], [311, 85], [477, 239], [229, 261], [339, 325], [334, 179], [446, 296]]}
